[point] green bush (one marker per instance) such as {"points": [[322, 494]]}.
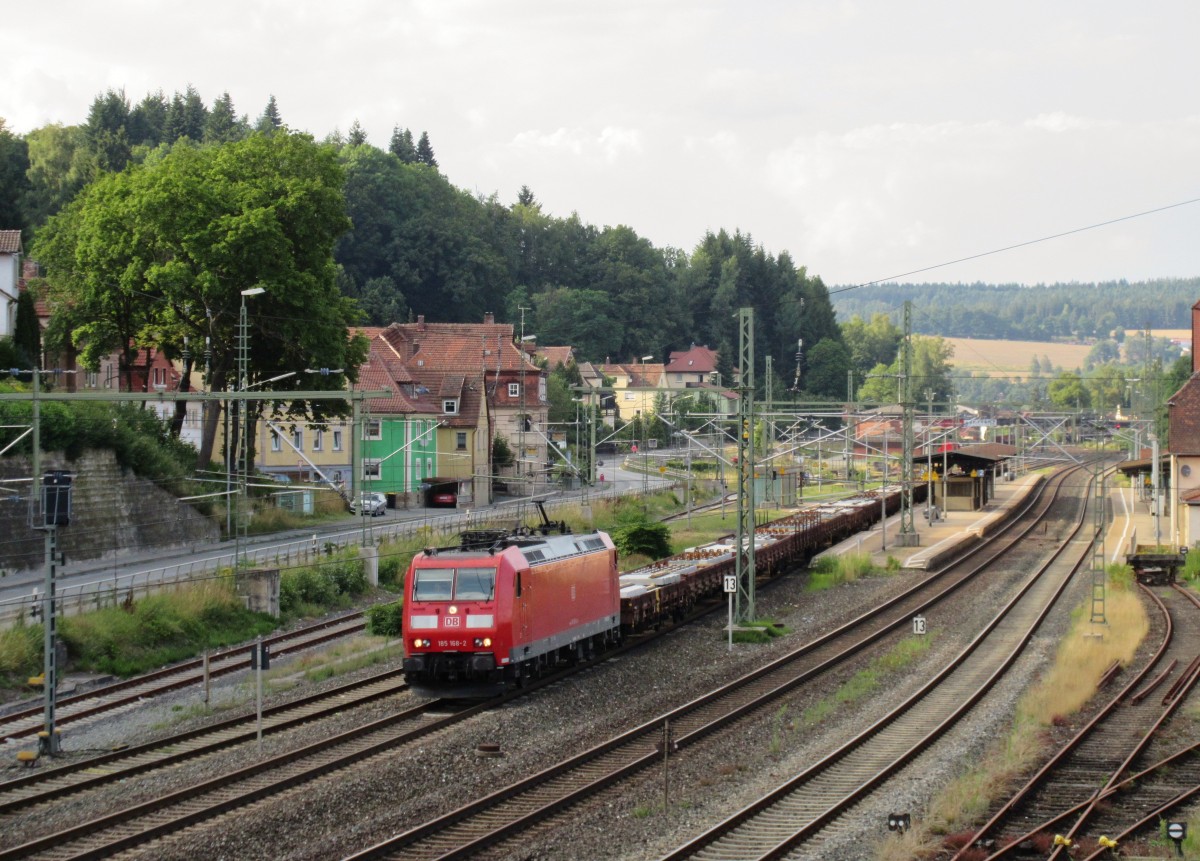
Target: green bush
{"points": [[20, 653], [305, 591], [158, 630], [383, 620]]}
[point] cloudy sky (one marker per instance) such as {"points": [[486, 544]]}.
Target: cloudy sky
{"points": [[868, 139]]}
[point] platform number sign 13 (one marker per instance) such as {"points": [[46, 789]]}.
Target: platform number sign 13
{"points": [[919, 626], [730, 583]]}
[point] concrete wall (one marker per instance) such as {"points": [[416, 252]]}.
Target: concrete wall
{"points": [[113, 512]]}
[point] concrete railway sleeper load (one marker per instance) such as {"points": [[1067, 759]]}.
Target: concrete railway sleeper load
{"points": [[501, 606]]}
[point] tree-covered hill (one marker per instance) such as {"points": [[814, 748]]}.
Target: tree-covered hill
{"points": [[1044, 312]]}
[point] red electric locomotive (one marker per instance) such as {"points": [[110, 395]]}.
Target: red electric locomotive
{"points": [[502, 607]]}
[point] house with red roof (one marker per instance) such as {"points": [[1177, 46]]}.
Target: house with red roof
{"points": [[1181, 484], [640, 387], [483, 385]]}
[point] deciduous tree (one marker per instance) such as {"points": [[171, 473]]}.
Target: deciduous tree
{"points": [[162, 251]]}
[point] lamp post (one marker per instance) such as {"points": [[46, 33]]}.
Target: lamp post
{"points": [[243, 463]]}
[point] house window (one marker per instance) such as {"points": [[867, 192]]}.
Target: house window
{"points": [[460, 440], [373, 429], [318, 440], [93, 379], [679, 378], [371, 469], [629, 396], [429, 466], [450, 407], [276, 442], [298, 439], [337, 440], [514, 390], [160, 378]]}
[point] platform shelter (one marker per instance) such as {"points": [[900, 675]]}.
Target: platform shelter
{"points": [[961, 479]]}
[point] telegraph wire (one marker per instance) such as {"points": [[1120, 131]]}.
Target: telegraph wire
{"points": [[1019, 245]]}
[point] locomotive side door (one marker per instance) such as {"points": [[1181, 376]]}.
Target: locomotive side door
{"points": [[524, 583]]}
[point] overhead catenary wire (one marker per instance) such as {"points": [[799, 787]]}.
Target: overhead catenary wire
{"points": [[1024, 244]]}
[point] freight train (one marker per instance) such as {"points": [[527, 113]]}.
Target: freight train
{"points": [[501, 606]]}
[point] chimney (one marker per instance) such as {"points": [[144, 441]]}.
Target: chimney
{"points": [[420, 322], [1195, 337], [489, 318], [30, 269]]}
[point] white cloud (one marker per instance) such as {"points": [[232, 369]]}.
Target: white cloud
{"points": [[608, 143]]}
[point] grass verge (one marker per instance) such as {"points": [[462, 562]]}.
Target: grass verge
{"points": [[1081, 659]]}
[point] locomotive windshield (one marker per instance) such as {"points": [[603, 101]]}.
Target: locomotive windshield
{"points": [[475, 584], [454, 584]]}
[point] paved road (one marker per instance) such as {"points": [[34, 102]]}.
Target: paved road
{"points": [[180, 563]]}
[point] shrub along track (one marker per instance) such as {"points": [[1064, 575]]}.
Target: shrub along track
{"points": [[538, 802], [25, 722], [1087, 784]]}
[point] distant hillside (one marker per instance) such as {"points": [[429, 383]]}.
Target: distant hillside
{"points": [[1043, 312]]}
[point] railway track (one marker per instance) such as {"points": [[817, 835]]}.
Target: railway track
{"points": [[1086, 787], [24, 723], [135, 826], [510, 812], [46, 785]]}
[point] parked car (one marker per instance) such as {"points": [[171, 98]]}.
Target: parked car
{"points": [[449, 500], [374, 504]]}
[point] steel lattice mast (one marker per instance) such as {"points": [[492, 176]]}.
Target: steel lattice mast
{"points": [[908, 533], [744, 548]]}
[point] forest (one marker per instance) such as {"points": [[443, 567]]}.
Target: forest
{"points": [[1044, 312], [383, 229]]}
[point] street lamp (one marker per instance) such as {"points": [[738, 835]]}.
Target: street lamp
{"points": [[243, 463]]}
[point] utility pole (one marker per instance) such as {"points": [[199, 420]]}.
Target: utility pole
{"points": [[1099, 520], [769, 428], [744, 538], [522, 418], [929, 457], [908, 533]]}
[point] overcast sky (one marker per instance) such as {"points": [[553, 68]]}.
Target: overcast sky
{"points": [[867, 139]]}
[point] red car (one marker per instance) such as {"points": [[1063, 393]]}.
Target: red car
{"points": [[449, 500]]}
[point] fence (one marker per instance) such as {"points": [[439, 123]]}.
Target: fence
{"points": [[109, 590]]}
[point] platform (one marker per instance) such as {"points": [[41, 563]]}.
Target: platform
{"points": [[950, 534]]}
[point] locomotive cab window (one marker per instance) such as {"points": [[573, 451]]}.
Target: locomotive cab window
{"points": [[433, 584], [475, 584]]}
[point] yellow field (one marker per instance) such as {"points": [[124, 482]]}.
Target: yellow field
{"points": [[1012, 358]]}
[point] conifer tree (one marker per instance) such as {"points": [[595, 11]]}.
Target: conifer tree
{"points": [[402, 146], [357, 135], [270, 119], [425, 151], [147, 120], [222, 124]]}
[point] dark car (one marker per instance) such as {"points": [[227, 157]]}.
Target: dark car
{"points": [[444, 499]]}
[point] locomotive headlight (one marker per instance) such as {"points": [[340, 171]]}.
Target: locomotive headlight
{"points": [[417, 643], [453, 610], [483, 642]]}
